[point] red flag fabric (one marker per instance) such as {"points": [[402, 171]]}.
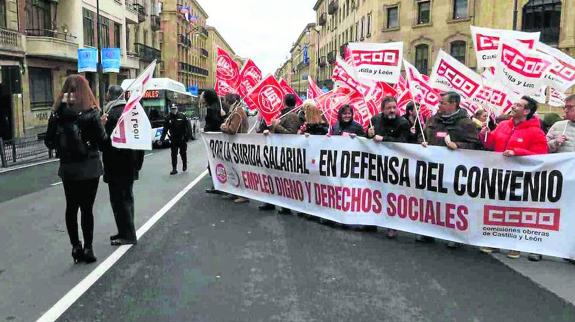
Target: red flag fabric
{"points": [[313, 90], [420, 89], [250, 76], [330, 102], [288, 90], [227, 73], [268, 97]]}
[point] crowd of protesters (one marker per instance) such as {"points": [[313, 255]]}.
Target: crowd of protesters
{"points": [[521, 132]]}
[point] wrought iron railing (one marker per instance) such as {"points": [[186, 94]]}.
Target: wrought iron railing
{"points": [[148, 53], [25, 149], [51, 33]]}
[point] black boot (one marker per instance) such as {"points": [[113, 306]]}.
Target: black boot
{"points": [[77, 253], [174, 172], [89, 255], [184, 168]]}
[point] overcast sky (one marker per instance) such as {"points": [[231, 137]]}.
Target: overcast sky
{"points": [[262, 30]]}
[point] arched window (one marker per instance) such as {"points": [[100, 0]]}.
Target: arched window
{"points": [[544, 16], [458, 50], [422, 58]]}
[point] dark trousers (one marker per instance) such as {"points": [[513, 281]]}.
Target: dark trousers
{"points": [[122, 201], [183, 148], [80, 194]]}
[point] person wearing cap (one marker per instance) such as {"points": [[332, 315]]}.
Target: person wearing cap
{"points": [[179, 127]]}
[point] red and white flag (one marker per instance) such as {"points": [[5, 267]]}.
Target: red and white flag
{"points": [[486, 43], [313, 90], [449, 74], [422, 92], [345, 75], [556, 98], [133, 130], [250, 76], [521, 69], [267, 95], [227, 74], [288, 90], [380, 62], [330, 103], [561, 76]]}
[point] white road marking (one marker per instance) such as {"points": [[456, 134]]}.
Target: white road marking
{"points": [[56, 183], [74, 294], [145, 155], [28, 165]]}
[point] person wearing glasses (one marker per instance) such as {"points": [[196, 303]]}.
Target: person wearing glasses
{"points": [[518, 136]]}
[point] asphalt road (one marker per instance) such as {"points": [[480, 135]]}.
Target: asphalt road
{"points": [[208, 259]]}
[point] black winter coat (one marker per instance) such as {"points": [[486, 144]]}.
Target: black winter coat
{"points": [[178, 126], [351, 127], [396, 130], [458, 126], [120, 165], [214, 118], [92, 134]]}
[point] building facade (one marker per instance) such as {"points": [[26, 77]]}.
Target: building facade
{"points": [[39, 50], [425, 26], [184, 41], [215, 40], [303, 59]]}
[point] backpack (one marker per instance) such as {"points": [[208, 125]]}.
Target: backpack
{"points": [[69, 141]]}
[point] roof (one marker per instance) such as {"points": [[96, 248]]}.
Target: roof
{"points": [[212, 28], [307, 27], [317, 4], [197, 4]]}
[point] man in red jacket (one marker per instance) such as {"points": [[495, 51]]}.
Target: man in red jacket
{"points": [[520, 135]]}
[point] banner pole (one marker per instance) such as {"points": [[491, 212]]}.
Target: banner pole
{"points": [[418, 116]]}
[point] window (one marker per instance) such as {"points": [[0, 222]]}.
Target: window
{"points": [[38, 18], [117, 35], [3, 13], [544, 16], [88, 27], [460, 9], [362, 25], [105, 32], [40, 87], [356, 31], [422, 58], [392, 17], [369, 25], [423, 12], [128, 45], [458, 50]]}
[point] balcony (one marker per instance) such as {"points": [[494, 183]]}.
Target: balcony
{"points": [[51, 44], [141, 11], [204, 52], [331, 57], [148, 53], [184, 41], [322, 19], [332, 7], [203, 31], [131, 12], [131, 61], [11, 41], [187, 68], [342, 50], [322, 61], [155, 23]]}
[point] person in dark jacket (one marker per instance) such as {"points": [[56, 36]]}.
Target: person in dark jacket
{"points": [[314, 123], [289, 122], [451, 127], [214, 112], [345, 124], [76, 132], [121, 169], [179, 127], [214, 118], [388, 126]]}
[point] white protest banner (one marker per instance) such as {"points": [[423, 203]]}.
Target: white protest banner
{"points": [[133, 130], [449, 74], [486, 43], [473, 197], [377, 61], [561, 76], [521, 69], [556, 98]]}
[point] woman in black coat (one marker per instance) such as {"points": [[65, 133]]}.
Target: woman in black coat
{"points": [[76, 132], [345, 124]]}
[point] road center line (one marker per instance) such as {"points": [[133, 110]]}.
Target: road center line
{"points": [[74, 294]]}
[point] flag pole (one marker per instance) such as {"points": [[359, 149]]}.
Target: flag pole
{"points": [[417, 111]]}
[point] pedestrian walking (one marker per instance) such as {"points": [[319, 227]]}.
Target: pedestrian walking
{"points": [[178, 125], [121, 169], [76, 132]]}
